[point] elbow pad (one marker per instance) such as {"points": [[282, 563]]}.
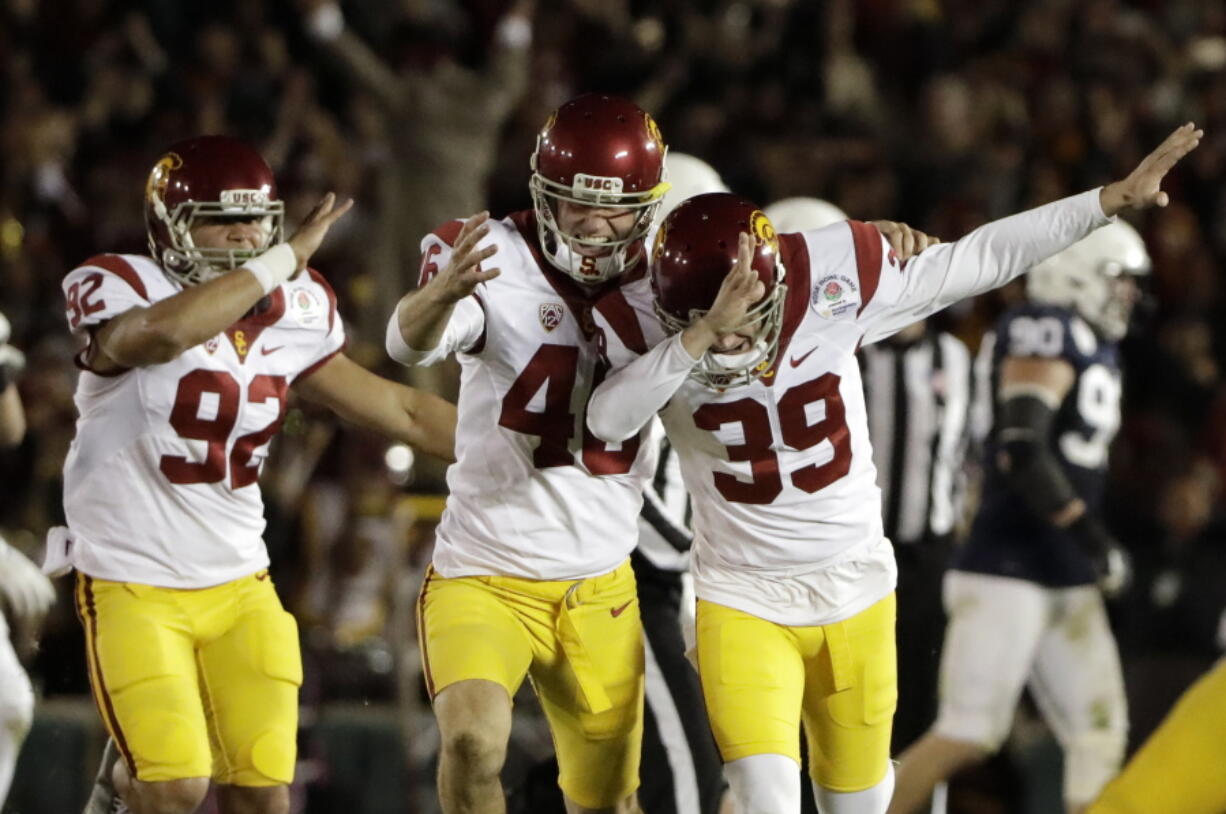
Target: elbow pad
{"points": [[1026, 458]]}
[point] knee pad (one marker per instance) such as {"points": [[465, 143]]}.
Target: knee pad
{"points": [[273, 754], [765, 784], [1090, 761], [872, 800]]}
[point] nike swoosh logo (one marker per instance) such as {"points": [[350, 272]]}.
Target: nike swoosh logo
{"points": [[796, 362], [616, 612], [267, 351]]}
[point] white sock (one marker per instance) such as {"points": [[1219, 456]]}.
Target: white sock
{"points": [[765, 784], [873, 800]]}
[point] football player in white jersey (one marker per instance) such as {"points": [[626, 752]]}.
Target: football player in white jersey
{"points": [[24, 592], [188, 356], [530, 573], [760, 394]]}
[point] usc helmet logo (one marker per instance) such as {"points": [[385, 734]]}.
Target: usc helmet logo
{"points": [[549, 123], [763, 229], [653, 132], [657, 248], [159, 176]]}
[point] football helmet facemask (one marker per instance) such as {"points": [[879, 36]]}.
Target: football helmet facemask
{"points": [[695, 248], [209, 178], [600, 151]]}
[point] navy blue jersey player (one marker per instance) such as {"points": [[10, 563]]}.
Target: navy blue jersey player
{"points": [[1013, 534], [1024, 595]]}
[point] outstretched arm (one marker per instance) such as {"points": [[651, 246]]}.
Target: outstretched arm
{"points": [[420, 419], [999, 251], [167, 328]]}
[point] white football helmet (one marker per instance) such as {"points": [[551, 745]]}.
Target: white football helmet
{"points": [[802, 214], [1094, 276], [689, 176]]}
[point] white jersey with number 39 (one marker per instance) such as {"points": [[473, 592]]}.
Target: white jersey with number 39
{"points": [[160, 484], [532, 494], [787, 512]]}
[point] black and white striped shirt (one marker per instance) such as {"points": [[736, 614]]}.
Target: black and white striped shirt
{"points": [[918, 400], [665, 533]]}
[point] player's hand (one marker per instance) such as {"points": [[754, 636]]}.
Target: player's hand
{"points": [[28, 593], [1114, 569], [310, 235], [1143, 186], [463, 271], [903, 239], [1112, 565], [741, 289]]}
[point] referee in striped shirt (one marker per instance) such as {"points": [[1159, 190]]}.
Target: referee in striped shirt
{"points": [[681, 770], [917, 386]]}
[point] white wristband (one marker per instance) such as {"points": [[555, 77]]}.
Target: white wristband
{"points": [[273, 267]]}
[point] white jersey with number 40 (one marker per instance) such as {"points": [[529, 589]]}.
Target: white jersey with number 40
{"points": [[533, 493], [160, 484]]}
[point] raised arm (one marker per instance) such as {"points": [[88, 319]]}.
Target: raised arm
{"points": [[164, 330], [421, 317], [626, 400], [999, 251]]}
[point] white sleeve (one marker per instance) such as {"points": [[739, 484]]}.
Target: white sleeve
{"points": [[628, 399], [464, 331], [100, 289], [985, 259]]}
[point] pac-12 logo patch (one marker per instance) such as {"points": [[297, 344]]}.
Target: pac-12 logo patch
{"points": [[551, 315]]}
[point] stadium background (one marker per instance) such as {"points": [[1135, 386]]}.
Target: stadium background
{"points": [[941, 113]]}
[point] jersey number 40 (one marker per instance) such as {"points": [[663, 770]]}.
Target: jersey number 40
{"points": [[555, 367], [795, 431]]}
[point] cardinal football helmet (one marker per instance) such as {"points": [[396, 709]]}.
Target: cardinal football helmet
{"points": [[597, 150], [208, 178], [695, 248], [1094, 277]]}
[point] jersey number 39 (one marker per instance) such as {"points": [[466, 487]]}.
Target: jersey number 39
{"points": [[796, 432]]}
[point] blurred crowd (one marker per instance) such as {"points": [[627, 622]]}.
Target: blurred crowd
{"points": [[942, 113]]}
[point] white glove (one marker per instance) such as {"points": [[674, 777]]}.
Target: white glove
{"points": [[12, 359], [22, 585]]}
